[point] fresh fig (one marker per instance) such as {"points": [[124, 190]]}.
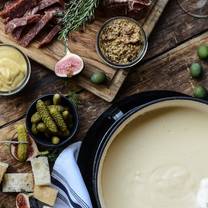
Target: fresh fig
{"points": [[70, 65], [22, 201], [32, 150]]}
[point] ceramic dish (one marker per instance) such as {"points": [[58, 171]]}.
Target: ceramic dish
{"points": [[40, 139], [179, 108], [140, 55]]}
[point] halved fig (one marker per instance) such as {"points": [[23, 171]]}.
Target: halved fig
{"points": [[22, 201], [32, 149], [70, 65]]}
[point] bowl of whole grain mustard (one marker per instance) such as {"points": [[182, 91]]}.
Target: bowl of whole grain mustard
{"points": [[121, 42]]}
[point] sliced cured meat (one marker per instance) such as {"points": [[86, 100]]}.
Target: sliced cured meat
{"points": [[127, 6], [17, 33], [9, 4], [135, 6], [143, 2], [20, 22], [43, 4], [34, 31], [50, 36], [46, 3], [18, 9]]}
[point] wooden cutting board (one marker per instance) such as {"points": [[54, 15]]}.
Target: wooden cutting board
{"points": [[83, 43]]}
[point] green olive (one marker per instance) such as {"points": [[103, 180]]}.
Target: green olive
{"points": [[98, 78], [34, 129], [35, 118], [196, 70], [200, 92], [55, 140], [41, 127], [202, 52], [56, 99]]}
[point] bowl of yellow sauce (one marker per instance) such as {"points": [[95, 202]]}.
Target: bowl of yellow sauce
{"points": [[15, 70]]}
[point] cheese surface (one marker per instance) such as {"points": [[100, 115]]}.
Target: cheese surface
{"points": [[18, 182], [3, 169], [45, 194], [158, 160], [41, 172]]}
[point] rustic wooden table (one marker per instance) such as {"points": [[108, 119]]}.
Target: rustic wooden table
{"points": [[172, 47]]}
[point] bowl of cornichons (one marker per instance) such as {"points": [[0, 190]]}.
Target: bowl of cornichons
{"points": [[52, 120]]}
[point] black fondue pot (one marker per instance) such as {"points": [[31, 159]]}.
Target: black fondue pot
{"points": [[102, 131]]}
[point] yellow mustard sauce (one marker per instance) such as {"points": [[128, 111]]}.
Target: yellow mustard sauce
{"points": [[13, 68]]}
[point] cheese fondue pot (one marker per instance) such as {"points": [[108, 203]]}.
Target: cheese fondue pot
{"points": [[152, 155]]}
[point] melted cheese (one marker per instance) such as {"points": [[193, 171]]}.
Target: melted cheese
{"points": [[157, 160]]}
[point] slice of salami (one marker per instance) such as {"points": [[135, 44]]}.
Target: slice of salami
{"points": [[50, 36], [34, 31], [18, 9], [20, 22]]}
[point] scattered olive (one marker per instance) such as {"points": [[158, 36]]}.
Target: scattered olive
{"points": [[202, 52], [196, 70], [98, 78], [56, 99], [200, 92], [41, 127], [55, 140]]}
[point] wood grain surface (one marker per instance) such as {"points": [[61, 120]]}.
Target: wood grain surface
{"points": [[172, 48], [83, 43]]}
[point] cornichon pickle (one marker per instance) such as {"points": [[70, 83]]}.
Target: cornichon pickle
{"points": [[65, 115], [59, 107], [41, 127], [45, 115], [22, 148], [56, 99], [35, 118], [68, 118], [55, 140], [59, 121], [34, 129]]}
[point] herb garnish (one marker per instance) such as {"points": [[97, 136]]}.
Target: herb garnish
{"points": [[76, 14]]}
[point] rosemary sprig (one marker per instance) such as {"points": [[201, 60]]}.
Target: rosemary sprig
{"points": [[76, 14]]}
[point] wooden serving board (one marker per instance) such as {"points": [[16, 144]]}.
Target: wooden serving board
{"points": [[83, 43]]}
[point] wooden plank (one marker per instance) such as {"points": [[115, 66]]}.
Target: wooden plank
{"points": [[169, 71], [84, 45], [173, 28]]}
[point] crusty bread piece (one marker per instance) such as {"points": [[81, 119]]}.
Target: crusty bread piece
{"points": [[41, 172], [18, 182], [3, 169], [45, 194]]}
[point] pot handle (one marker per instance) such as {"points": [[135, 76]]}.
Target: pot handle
{"points": [[115, 115]]}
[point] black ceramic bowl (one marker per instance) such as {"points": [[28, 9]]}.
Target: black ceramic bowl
{"points": [[41, 139]]}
